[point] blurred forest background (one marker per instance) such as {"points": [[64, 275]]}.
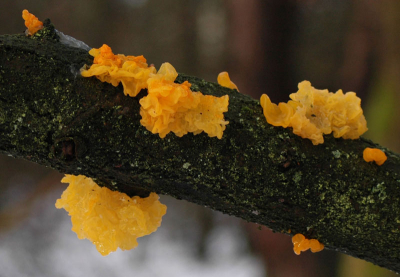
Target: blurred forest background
{"points": [[267, 46]]}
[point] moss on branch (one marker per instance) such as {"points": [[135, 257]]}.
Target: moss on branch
{"points": [[51, 115]]}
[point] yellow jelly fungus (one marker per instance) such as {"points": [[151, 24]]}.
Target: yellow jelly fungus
{"points": [[374, 155], [315, 245], [31, 22], [109, 219], [224, 80], [131, 71], [300, 243], [312, 113], [171, 107], [168, 107]]}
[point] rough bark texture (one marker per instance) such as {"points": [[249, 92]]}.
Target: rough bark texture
{"points": [[51, 115]]}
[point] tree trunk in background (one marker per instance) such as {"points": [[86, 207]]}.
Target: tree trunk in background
{"points": [[360, 49], [389, 69], [261, 34]]}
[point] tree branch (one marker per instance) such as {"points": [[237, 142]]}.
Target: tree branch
{"points": [[51, 115]]}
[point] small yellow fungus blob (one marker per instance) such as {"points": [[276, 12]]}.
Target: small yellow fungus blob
{"points": [[172, 107], [224, 80], [374, 155], [109, 219], [300, 243], [312, 113], [31, 22], [315, 245], [131, 71]]}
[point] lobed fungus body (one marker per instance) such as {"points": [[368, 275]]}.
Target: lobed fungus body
{"points": [[300, 243], [31, 22], [109, 219], [168, 107], [224, 80], [374, 155], [171, 107], [131, 71], [312, 113]]}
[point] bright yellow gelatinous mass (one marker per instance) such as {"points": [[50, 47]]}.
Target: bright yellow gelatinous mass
{"points": [[374, 155], [109, 219], [312, 113], [168, 107], [31, 22], [300, 243], [131, 71], [172, 107], [224, 80]]}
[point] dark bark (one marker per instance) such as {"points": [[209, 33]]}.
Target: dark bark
{"points": [[51, 115]]}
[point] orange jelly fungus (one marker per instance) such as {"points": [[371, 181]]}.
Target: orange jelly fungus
{"points": [[131, 71], [171, 107], [224, 80], [109, 219], [168, 106], [312, 113], [31, 22], [300, 243], [374, 155]]}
